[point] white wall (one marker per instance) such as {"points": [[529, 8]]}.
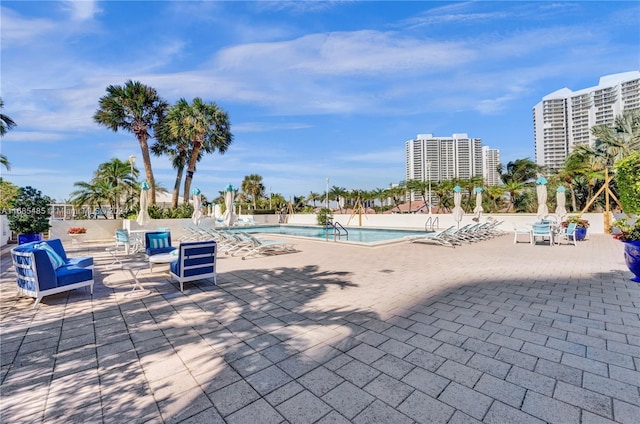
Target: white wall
{"points": [[5, 234]]}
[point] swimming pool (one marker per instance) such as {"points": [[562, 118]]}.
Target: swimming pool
{"points": [[360, 235]]}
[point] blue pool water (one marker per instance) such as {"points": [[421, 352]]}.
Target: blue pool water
{"points": [[362, 235]]}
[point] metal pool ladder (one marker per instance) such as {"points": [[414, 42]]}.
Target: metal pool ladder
{"points": [[338, 230]]}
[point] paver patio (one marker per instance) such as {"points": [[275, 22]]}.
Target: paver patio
{"points": [[488, 332]]}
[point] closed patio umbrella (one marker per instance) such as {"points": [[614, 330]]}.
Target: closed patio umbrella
{"points": [[229, 214], [477, 211], [143, 216], [197, 204], [541, 191], [561, 200], [457, 211]]}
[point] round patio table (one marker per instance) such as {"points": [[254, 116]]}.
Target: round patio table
{"points": [[163, 258]]}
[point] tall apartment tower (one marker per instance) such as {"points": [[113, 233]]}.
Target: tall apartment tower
{"points": [[429, 158], [563, 119], [490, 163]]}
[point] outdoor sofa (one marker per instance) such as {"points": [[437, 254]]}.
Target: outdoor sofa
{"points": [[43, 268]]}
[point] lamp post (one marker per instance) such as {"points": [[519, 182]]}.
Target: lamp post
{"points": [[132, 161], [429, 178], [270, 197], [326, 194]]}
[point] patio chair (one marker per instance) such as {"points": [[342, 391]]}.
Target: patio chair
{"points": [[568, 234], [440, 238], [195, 261], [157, 242], [542, 231]]}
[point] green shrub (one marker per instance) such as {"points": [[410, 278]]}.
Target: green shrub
{"points": [[324, 215], [30, 212], [628, 181]]}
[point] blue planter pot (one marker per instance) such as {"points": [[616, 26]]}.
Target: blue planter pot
{"points": [[632, 258], [28, 238], [581, 233]]}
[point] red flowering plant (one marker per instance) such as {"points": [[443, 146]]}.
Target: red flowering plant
{"points": [[626, 231], [77, 230]]}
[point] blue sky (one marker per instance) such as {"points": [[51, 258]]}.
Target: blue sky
{"points": [[314, 90]]}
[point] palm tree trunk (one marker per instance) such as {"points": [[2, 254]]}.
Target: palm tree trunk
{"points": [[146, 159], [176, 187], [190, 170]]}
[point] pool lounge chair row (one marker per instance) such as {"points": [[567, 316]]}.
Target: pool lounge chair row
{"points": [[238, 242], [469, 233]]}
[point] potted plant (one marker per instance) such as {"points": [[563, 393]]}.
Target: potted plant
{"points": [[581, 225], [628, 181], [29, 214], [76, 233]]}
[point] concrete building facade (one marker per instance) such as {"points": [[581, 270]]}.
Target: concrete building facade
{"points": [[563, 119]]}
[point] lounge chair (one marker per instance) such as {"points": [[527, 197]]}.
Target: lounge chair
{"points": [[256, 246], [441, 238]]}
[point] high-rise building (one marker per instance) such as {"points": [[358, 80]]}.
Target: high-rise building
{"points": [[563, 119], [490, 163], [430, 158]]}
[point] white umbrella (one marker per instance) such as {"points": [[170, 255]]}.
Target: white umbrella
{"points": [[541, 191], [143, 216], [457, 211], [229, 214], [197, 203], [561, 199], [477, 211]]}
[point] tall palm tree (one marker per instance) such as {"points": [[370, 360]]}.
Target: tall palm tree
{"points": [[94, 193], [177, 149], [204, 125], [6, 124], [253, 187], [136, 108], [617, 142]]}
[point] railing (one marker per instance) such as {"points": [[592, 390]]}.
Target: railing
{"points": [[431, 224], [337, 229]]}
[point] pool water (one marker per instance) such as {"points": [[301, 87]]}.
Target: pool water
{"points": [[362, 235]]}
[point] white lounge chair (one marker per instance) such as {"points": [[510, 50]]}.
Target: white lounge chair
{"points": [[261, 247], [441, 238]]}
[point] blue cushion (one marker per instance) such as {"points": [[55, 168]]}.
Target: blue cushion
{"points": [[83, 261], [56, 260], [158, 241], [73, 274]]}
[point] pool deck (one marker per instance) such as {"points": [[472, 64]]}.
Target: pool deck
{"points": [[490, 332]]}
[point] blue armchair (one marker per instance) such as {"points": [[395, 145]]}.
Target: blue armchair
{"points": [[42, 268], [157, 242], [196, 261]]}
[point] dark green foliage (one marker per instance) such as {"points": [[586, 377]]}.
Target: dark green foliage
{"points": [[628, 181], [30, 212]]}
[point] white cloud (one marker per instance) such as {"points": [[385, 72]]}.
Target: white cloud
{"points": [[81, 10]]}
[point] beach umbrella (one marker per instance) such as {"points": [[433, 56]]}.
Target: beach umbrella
{"points": [[229, 214], [477, 211], [197, 203], [541, 191], [143, 216], [561, 199], [457, 211]]}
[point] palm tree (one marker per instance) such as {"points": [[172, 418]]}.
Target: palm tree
{"points": [[617, 142], [253, 187], [204, 125], [6, 124], [177, 149], [314, 197], [136, 108], [95, 193], [396, 194], [336, 193], [118, 175]]}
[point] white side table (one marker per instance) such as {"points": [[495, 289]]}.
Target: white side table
{"points": [[163, 258], [134, 268]]}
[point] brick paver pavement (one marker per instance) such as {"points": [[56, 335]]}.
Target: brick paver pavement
{"points": [[488, 332]]}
